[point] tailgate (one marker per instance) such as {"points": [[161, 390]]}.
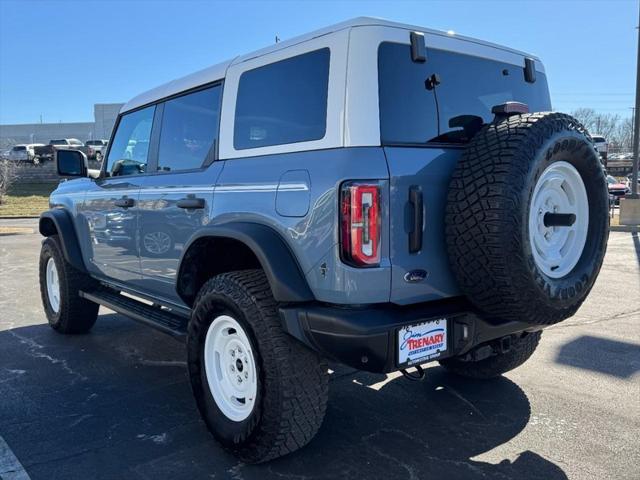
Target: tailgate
{"points": [[426, 172]]}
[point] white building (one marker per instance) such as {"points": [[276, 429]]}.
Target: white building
{"points": [[104, 114]]}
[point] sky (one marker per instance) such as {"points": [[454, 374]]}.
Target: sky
{"points": [[58, 58]]}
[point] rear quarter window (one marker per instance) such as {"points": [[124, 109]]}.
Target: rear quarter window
{"points": [[469, 86], [283, 102]]}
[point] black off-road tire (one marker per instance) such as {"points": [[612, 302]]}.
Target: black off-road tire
{"points": [[75, 314], [487, 228], [292, 380], [521, 350]]}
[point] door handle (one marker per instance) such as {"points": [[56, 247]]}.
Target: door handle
{"points": [[415, 237], [124, 202], [190, 203]]}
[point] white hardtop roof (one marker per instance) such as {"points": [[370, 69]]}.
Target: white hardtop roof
{"points": [[218, 72]]}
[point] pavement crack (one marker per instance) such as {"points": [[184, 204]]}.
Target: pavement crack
{"points": [[581, 323], [236, 472], [64, 457], [35, 350], [459, 396], [411, 471], [79, 420]]}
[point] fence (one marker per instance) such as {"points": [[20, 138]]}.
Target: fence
{"points": [[43, 172]]}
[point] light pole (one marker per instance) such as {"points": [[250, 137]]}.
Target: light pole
{"points": [[630, 205], [636, 126]]}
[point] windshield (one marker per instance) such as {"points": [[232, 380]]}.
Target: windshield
{"points": [[58, 142], [19, 148], [611, 180]]}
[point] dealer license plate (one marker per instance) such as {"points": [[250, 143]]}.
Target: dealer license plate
{"points": [[422, 342]]}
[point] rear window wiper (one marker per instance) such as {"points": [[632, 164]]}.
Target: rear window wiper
{"points": [[469, 125]]}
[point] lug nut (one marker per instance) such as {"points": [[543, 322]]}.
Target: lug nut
{"points": [[246, 375], [233, 369], [239, 379]]}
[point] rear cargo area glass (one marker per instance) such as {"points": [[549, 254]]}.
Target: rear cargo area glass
{"points": [[468, 85]]}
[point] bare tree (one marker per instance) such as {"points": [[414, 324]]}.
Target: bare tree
{"points": [[615, 129], [7, 176], [585, 116], [604, 124], [623, 136]]}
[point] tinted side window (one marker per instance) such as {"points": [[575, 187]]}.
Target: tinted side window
{"points": [[469, 86], [189, 130], [130, 149], [283, 102]]}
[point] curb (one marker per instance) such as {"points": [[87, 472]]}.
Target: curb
{"points": [[625, 228]]}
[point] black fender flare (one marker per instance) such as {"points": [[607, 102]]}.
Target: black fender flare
{"points": [[286, 279], [58, 221]]}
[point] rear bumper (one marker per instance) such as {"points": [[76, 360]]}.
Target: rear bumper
{"points": [[366, 338]]}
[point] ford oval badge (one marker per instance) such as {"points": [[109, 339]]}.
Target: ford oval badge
{"points": [[415, 276]]}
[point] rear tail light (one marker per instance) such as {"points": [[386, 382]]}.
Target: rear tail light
{"points": [[360, 223]]}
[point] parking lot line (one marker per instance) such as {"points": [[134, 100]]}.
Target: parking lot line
{"points": [[10, 466]]}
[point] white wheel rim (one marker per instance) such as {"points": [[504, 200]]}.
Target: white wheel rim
{"points": [[53, 285], [230, 368], [557, 249]]}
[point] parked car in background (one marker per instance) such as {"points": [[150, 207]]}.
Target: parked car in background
{"points": [[629, 179], [617, 188], [47, 152], [24, 153], [619, 164], [96, 149], [601, 144]]}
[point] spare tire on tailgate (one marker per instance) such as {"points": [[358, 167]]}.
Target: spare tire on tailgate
{"points": [[527, 218]]}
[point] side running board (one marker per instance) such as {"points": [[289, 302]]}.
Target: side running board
{"points": [[154, 316]]}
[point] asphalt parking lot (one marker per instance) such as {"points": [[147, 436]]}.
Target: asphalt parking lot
{"points": [[116, 403]]}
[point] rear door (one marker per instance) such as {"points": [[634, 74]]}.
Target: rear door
{"points": [[428, 113], [176, 197]]}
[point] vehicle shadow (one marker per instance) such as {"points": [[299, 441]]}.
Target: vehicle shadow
{"points": [[116, 403], [603, 355]]}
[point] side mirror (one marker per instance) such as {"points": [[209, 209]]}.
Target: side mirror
{"points": [[71, 163]]}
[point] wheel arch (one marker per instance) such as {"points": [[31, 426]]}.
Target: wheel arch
{"points": [[59, 222], [246, 246]]}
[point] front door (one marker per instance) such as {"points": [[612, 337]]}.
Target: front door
{"points": [[111, 207]]}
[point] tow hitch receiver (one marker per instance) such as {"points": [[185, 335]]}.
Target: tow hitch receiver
{"points": [[484, 351]]}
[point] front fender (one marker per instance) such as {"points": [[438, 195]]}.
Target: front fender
{"points": [[58, 221]]}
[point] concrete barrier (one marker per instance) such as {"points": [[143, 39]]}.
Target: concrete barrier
{"points": [[630, 211]]}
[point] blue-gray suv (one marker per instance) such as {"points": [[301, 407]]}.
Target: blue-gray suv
{"points": [[377, 194]]}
